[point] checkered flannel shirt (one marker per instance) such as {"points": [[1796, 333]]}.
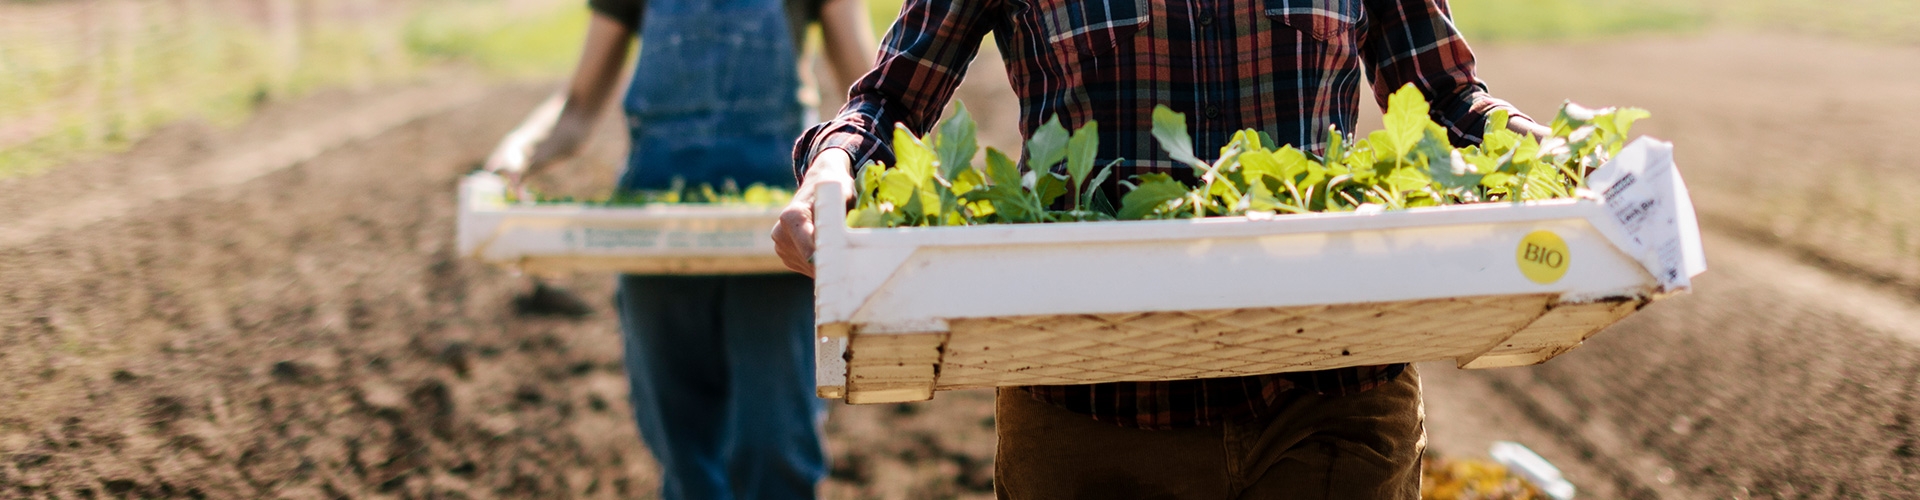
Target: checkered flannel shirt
{"points": [[1290, 68]]}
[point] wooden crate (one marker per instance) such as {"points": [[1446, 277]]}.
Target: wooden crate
{"points": [[904, 312], [652, 239]]}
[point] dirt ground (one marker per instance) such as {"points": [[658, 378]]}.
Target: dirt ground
{"points": [[1791, 372], [239, 322], [309, 333]]}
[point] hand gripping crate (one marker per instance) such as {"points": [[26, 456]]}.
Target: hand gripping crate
{"points": [[904, 312], [650, 239]]}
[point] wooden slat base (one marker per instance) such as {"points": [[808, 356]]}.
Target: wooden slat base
{"points": [[1477, 332]]}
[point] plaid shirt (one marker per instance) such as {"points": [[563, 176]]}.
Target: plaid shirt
{"points": [[1290, 68]]}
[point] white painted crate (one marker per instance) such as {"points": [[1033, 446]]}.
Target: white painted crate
{"points": [[651, 239], [904, 312]]}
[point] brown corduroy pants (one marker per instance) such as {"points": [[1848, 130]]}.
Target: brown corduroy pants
{"points": [[1356, 447]]}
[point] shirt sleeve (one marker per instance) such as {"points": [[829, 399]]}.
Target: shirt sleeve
{"points": [[922, 60], [628, 12], [1414, 41]]}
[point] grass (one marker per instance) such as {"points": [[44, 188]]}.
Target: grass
{"points": [[1883, 21], [66, 97], [883, 13], [1538, 20], [543, 46], [1873, 21]]}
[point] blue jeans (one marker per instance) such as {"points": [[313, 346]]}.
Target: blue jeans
{"points": [[721, 369]]}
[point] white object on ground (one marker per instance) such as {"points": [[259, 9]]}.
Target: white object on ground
{"points": [[1533, 467]]}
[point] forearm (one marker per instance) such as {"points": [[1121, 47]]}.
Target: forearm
{"points": [[594, 80], [1413, 42], [830, 164], [920, 65], [856, 132]]}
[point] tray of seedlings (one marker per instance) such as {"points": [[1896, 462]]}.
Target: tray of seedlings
{"points": [[1389, 248], [681, 230]]}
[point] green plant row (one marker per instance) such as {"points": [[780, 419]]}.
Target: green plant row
{"points": [[1408, 164], [729, 193]]}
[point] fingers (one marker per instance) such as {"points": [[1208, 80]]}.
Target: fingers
{"points": [[793, 239], [1524, 125], [793, 234], [804, 240], [510, 156]]}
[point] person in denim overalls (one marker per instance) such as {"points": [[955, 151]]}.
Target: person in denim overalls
{"points": [[721, 367]]}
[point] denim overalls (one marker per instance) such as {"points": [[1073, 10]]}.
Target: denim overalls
{"points": [[721, 366]]}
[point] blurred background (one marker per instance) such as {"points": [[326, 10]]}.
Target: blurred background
{"points": [[226, 267]]}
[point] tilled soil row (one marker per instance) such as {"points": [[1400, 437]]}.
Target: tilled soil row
{"points": [[309, 334]]}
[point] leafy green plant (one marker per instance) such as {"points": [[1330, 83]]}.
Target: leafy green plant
{"points": [[1407, 164], [934, 182]]}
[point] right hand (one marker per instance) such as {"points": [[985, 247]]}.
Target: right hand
{"points": [[510, 158], [793, 234]]}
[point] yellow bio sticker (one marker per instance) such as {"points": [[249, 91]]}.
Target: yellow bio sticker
{"points": [[1543, 257]]}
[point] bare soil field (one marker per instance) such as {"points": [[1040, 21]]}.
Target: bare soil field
{"points": [[305, 334], [1791, 372], [304, 329], [1794, 142]]}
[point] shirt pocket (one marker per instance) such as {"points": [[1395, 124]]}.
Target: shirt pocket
{"points": [[1090, 27], [1324, 20]]}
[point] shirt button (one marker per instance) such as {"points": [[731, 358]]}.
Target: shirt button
{"points": [[1206, 20], [1213, 111]]}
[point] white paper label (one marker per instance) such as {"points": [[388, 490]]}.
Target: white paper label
{"points": [[1647, 199]]}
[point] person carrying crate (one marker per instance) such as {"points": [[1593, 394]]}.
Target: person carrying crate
{"points": [[1288, 68], [720, 366]]}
